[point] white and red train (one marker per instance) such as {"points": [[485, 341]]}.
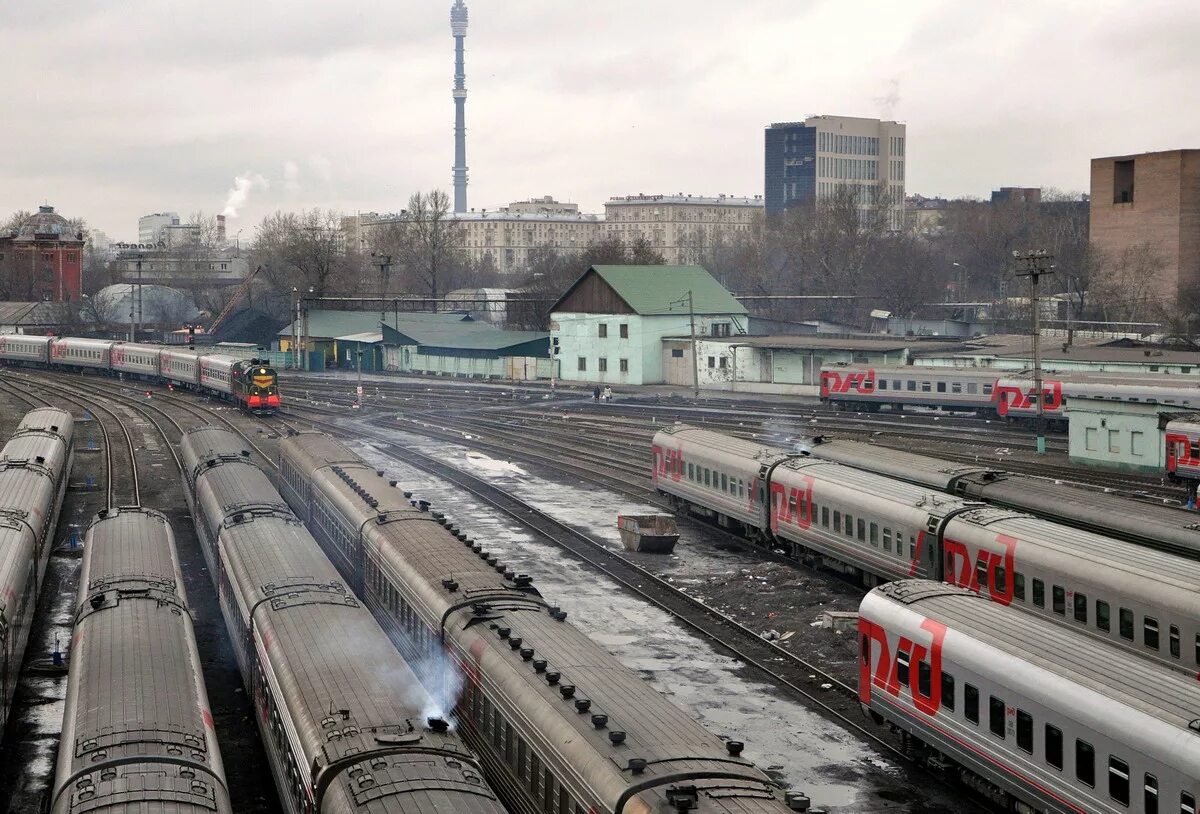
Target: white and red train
{"points": [[251, 383], [1027, 712], [879, 529], [1004, 394]]}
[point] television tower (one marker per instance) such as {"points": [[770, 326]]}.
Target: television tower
{"points": [[458, 27]]}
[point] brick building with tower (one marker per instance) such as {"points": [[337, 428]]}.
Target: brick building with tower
{"points": [[42, 259], [1151, 199]]}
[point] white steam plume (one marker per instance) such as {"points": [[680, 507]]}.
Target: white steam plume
{"points": [[243, 185]]}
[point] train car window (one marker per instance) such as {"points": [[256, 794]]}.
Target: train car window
{"points": [[1150, 794], [825, 523], [924, 679], [1150, 633], [887, 539], [548, 796], [972, 388], [564, 801], [522, 758], [1173, 641], [862, 530], [875, 534], [902, 664], [1054, 746], [849, 528], [883, 384], [912, 385], [1019, 585], [971, 703], [865, 650], [1025, 731], [987, 388], [1118, 780], [912, 547], [535, 776], [741, 488], [956, 387], [1081, 607], [706, 477], [691, 471], [837, 520], [925, 387], [724, 482], [1102, 615], [1085, 763], [1198, 648], [1060, 600], [1187, 803], [1001, 575], [1126, 619], [941, 387], [497, 727], [948, 691], [981, 574], [996, 709]]}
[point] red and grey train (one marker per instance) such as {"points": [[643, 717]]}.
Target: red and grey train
{"points": [[250, 383], [1004, 394], [880, 529], [1023, 710]]}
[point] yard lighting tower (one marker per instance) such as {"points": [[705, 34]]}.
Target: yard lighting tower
{"points": [[385, 268], [1033, 264]]}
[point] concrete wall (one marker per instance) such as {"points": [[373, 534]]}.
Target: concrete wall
{"points": [[1116, 436], [729, 365], [519, 368]]}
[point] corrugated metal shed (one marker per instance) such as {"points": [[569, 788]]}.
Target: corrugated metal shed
{"points": [[649, 290]]}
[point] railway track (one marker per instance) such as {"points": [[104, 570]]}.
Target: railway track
{"points": [[781, 666]]}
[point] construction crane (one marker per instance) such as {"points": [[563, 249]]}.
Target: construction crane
{"points": [[243, 290]]}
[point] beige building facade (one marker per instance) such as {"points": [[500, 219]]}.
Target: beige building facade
{"points": [[681, 227]]}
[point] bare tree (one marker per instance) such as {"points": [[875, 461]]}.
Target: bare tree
{"points": [[304, 250], [1124, 286], [426, 243]]}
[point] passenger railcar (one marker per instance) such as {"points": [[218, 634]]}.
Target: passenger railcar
{"points": [[560, 722], [136, 359], [23, 349], [1031, 715], [139, 738], [81, 354], [35, 466], [1135, 521], [1183, 449], [876, 528], [345, 723], [180, 366]]}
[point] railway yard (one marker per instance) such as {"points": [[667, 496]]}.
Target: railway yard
{"points": [[755, 637]]}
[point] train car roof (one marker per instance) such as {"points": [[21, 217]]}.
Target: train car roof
{"points": [[895, 463], [1121, 677]]}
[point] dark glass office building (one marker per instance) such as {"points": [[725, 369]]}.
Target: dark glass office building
{"points": [[790, 167]]}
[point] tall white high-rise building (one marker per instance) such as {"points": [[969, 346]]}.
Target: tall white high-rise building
{"points": [[152, 228]]}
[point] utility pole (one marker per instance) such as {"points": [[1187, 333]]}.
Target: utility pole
{"points": [[1033, 264], [139, 297], [358, 400], [296, 328]]}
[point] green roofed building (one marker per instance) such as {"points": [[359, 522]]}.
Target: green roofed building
{"points": [[609, 325]]}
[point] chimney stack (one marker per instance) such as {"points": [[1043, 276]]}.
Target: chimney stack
{"points": [[220, 230]]}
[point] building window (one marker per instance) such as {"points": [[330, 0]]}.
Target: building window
{"points": [[712, 361], [676, 353], [603, 330], [624, 331], [582, 363], [624, 365], [1123, 181], [602, 364], [720, 329]]}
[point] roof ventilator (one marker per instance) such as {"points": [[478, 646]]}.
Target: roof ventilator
{"points": [[515, 642], [734, 748], [637, 765], [450, 585], [582, 705], [683, 798], [539, 665], [526, 653], [616, 737], [567, 690], [599, 720], [552, 677]]}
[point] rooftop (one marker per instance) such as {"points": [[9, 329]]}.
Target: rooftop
{"points": [[806, 342], [681, 198], [651, 290], [47, 225], [1116, 351]]}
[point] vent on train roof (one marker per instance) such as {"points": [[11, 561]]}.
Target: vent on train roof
{"points": [[734, 748], [599, 720], [617, 737], [582, 705]]}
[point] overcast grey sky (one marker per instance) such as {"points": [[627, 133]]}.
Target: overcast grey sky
{"points": [[116, 108]]}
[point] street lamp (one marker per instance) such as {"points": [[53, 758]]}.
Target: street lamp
{"points": [[385, 267]]}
